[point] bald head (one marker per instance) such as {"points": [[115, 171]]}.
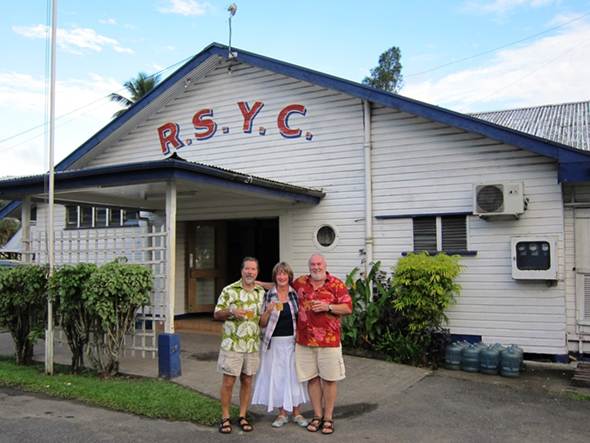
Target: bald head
{"points": [[317, 267]]}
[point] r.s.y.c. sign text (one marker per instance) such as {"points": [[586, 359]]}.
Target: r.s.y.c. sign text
{"points": [[205, 126]]}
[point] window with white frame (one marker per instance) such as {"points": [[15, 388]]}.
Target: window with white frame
{"points": [[85, 216], [444, 233]]}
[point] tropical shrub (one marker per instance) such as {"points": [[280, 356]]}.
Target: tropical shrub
{"points": [[371, 308], [23, 307], [67, 289], [402, 316], [112, 296], [425, 287]]}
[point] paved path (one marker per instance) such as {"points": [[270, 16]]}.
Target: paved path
{"points": [[379, 402]]}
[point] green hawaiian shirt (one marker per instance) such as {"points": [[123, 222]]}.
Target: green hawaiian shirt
{"points": [[241, 335]]}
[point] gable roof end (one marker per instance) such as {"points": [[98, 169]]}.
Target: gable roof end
{"points": [[568, 158]]}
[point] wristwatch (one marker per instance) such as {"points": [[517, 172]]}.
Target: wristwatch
{"points": [[330, 308]]}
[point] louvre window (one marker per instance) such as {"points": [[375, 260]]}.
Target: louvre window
{"points": [[443, 233], [100, 217], [424, 234], [115, 217], [130, 218], [71, 216], [84, 216], [454, 233]]}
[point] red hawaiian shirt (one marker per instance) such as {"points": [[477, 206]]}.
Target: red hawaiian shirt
{"points": [[319, 328]]}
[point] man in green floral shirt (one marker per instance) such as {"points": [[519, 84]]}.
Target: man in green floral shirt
{"points": [[240, 305]]}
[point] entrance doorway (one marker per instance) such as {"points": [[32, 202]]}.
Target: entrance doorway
{"points": [[215, 250]]}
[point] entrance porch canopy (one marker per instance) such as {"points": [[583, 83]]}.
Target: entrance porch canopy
{"points": [[139, 185], [153, 185]]}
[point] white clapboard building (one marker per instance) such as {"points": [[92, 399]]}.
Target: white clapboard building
{"points": [[239, 154]]}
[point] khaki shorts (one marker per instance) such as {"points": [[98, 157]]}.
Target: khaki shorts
{"points": [[236, 363], [311, 361]]}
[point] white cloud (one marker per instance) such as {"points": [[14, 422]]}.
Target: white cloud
{"points": [[503, 6], [553, 69], [81, 108], [185, 7], [108, 21], [73, 40]]}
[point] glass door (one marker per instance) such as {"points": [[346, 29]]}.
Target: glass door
{"points": [[205, 264]]}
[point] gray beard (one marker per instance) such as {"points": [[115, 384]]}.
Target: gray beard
{"points": [[317, 276]]}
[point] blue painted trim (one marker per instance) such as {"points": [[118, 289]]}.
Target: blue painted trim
{"points": [[9, 208], [157, 171], [405, 104], [561, 358], [574, 172], [432, 214], [531, 143], [213, 49], [461, 252]]}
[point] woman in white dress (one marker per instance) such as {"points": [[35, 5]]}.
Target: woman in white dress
{"points": [[276, 382]]}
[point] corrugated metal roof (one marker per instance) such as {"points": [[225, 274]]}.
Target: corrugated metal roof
{"points": [[147, 171], [566, 123]]}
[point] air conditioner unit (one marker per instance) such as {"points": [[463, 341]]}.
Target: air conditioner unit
{"points": [[499, 199]]}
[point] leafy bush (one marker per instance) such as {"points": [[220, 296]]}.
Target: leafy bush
{"points": [[425, 287], [8, 227], [402, 316], [67, 288], [371, 308], [23, 307], [112, 295]]}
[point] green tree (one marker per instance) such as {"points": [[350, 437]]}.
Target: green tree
{"points": [[67, 288], [8, 227], [138, 88], [112, 295], [388, 74], [23, 302]]}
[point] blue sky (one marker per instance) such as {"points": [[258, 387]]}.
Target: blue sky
{"points": [[518, 53]]}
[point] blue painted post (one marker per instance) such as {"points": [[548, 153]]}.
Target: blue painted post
{"points": [[169, 355]]}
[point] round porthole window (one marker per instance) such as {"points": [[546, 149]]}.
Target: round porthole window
{"points": [[325, 236]]}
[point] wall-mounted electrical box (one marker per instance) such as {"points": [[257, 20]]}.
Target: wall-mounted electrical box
{"points": [[534, 258]]}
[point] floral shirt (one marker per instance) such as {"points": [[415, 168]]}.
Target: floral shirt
{"points": [[319, 328], [241, 335]]}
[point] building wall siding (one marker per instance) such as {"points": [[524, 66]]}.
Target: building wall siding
{"points": [[424, 167], [419, 167], [578, 194], [332, 160]]}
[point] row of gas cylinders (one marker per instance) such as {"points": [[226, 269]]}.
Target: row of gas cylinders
{"points": [[488, 359]]}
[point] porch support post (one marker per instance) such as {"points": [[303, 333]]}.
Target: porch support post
{"points": [[26, 230], [169, 342], [170, 254]]}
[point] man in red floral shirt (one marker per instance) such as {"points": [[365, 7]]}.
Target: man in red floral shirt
{"points": [[318, 354]]}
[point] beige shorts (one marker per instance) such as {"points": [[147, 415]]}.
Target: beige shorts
{"points": [[311, 361], [236, 363]]}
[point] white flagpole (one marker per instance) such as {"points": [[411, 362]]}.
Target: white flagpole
{"points": [[50, 233]]}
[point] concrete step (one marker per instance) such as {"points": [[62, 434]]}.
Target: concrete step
{"points": [[582, 375], [205, 325]]}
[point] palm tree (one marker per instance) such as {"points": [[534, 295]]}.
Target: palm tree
{"points": [[138, 88]]}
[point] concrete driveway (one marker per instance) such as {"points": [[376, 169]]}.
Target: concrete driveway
{"points": [[379, 401]]}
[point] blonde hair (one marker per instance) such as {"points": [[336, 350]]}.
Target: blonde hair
{"points": [[282, 267]]}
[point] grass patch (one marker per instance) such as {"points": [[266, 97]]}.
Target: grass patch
{"points": [[142, 396], [578, 396]]}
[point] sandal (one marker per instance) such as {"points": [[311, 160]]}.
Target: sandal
{"points": [[245, 424], [328, 427], [225, 426], [280, 421], [301, 420], [315, 424]]}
